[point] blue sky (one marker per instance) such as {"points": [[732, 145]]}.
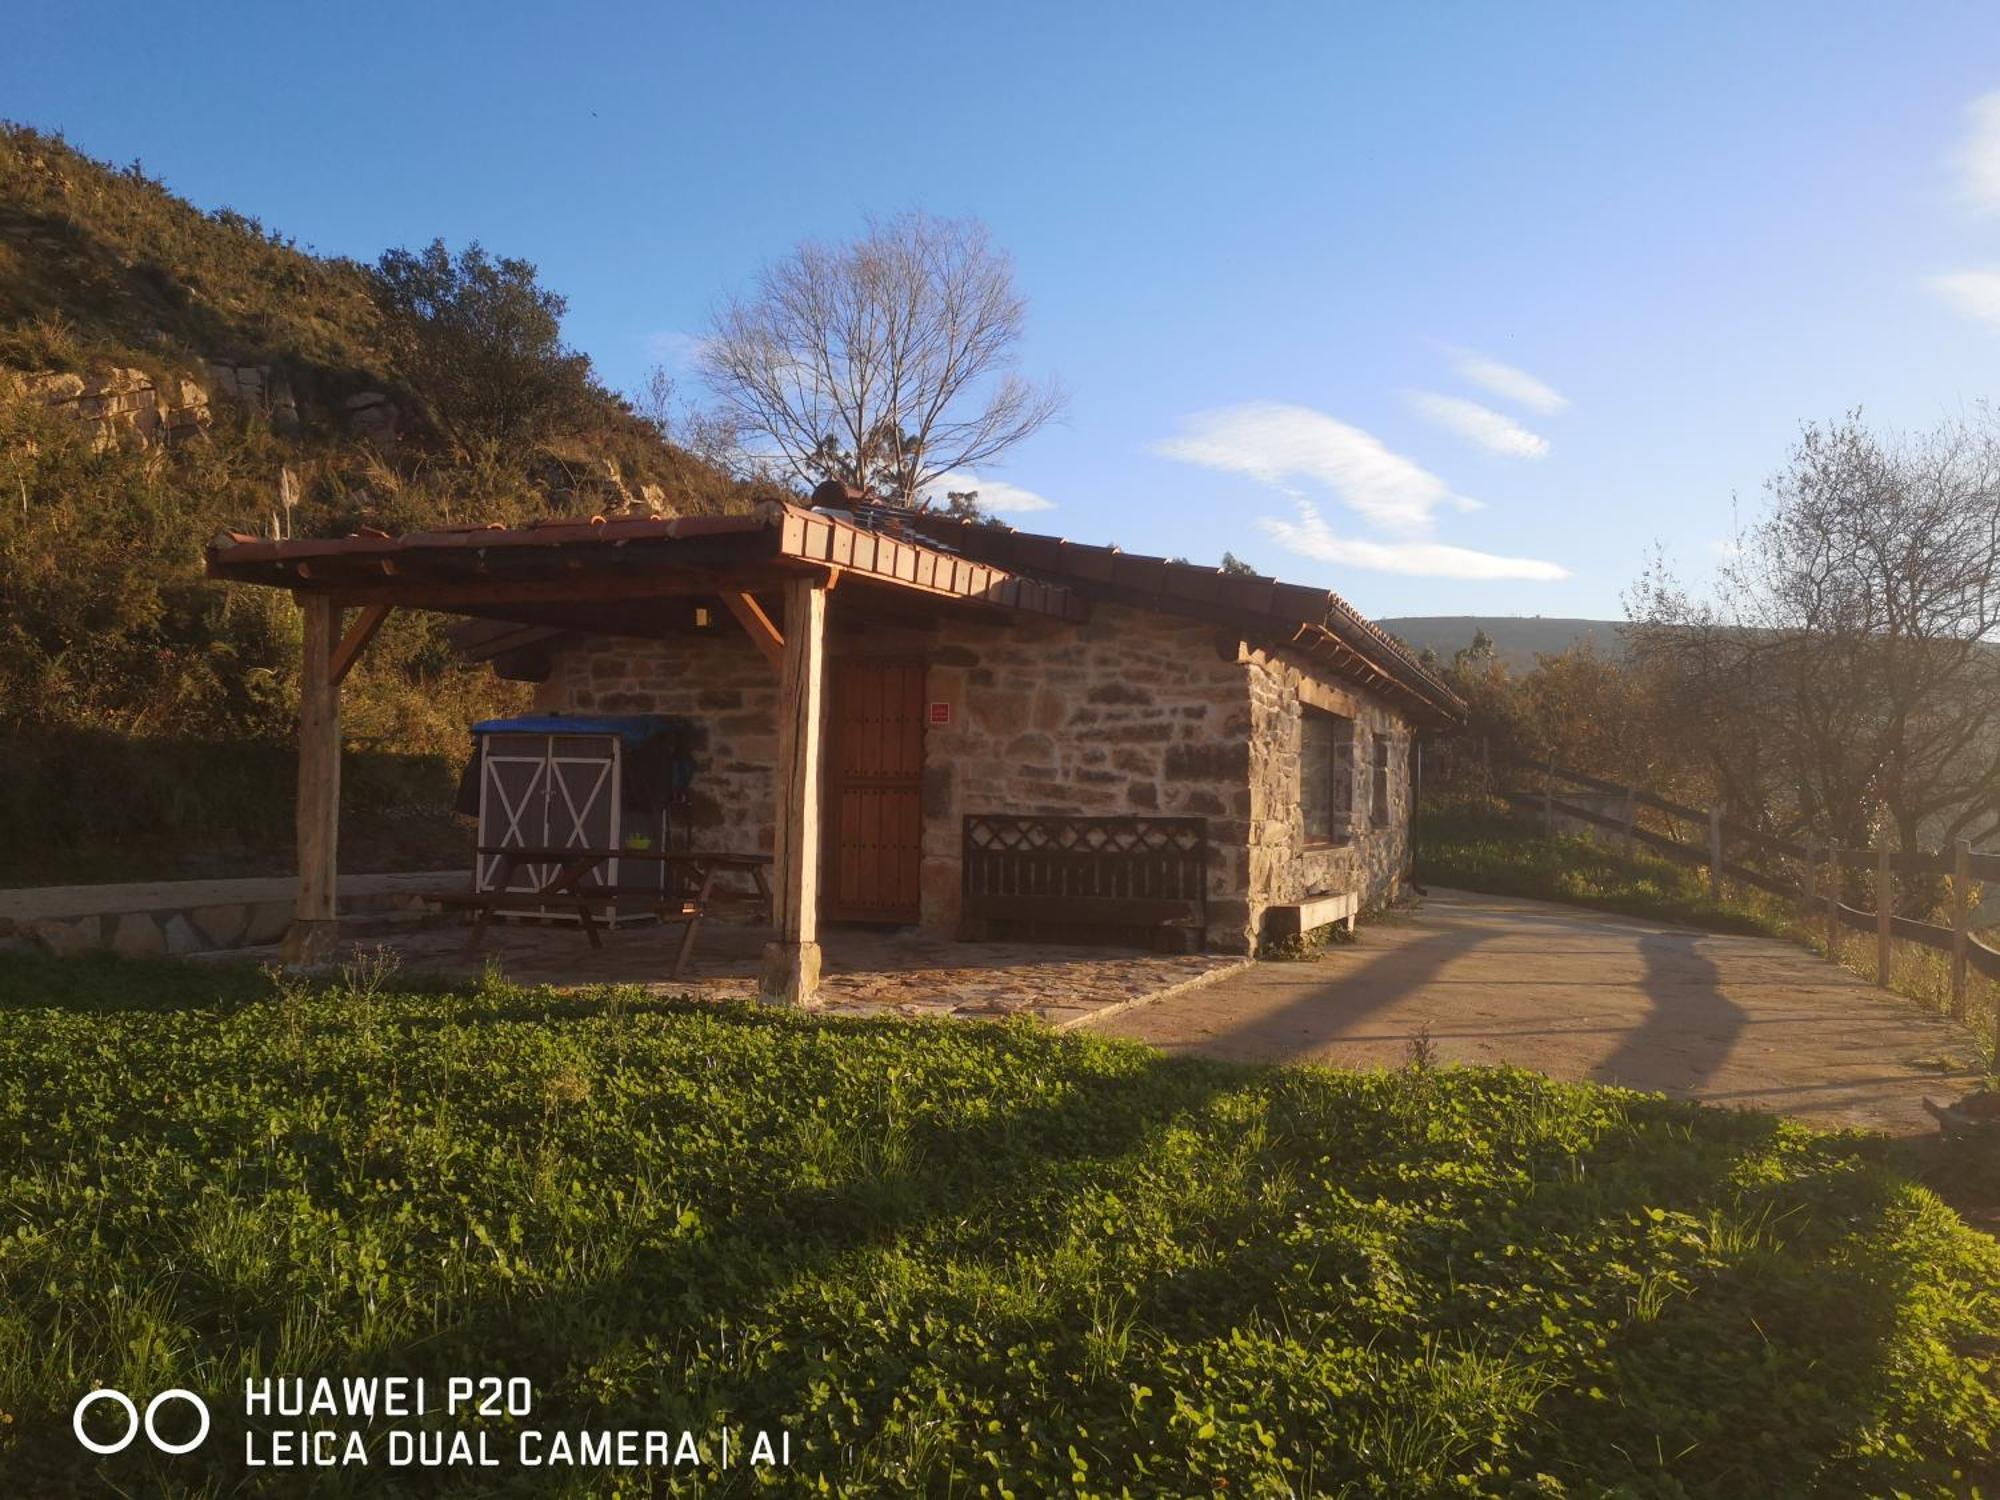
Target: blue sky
{"points": [[1452, 308]]}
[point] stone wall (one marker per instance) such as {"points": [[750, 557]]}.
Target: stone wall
{"points": [[1132, 712], [1284, 867], [717, 680]]}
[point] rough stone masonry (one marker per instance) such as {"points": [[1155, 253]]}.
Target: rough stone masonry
{"points": [[1133, 712]]}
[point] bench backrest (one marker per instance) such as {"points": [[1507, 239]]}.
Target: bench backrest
{"points": [[1131, 871]]}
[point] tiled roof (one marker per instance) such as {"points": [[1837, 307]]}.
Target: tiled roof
{"points": [[1317, 622]]}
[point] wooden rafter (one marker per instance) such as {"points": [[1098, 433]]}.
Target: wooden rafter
{"points": [[452, 594], [356, 641], [757, 625]]}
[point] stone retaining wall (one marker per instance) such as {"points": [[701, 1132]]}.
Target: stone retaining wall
{"points": [[198, 916]]}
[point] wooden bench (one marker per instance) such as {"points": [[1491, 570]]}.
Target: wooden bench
{"points": [[1297, 918], [1077, 877]]}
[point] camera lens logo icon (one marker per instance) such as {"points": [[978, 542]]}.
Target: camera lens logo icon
{"points": [[134, 1422]]}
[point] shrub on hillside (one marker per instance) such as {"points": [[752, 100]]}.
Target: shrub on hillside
{"points": [[481, 340]]}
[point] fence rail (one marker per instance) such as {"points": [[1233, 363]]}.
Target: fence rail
{"points": [[1801, 882]]}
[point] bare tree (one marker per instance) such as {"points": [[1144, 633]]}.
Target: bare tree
{"points": [[709, 435], [1847, 666], [886, 363]]}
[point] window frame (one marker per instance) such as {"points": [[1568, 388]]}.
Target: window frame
{"points": [[1381, 769], [1340, 830]]}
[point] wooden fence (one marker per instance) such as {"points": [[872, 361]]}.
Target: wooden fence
{"points": [[1809, 873]]}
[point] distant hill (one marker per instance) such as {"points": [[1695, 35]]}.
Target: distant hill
{"points": [[1518, 639]]}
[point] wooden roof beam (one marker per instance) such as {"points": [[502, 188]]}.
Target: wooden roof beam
{"points": [[757, 625], [450, 595], [357, 639]]}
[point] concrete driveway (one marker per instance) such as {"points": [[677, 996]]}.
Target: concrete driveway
{"points": [[1735, 1021]]}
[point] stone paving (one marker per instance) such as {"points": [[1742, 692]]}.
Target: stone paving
{"points": [[1740, 1021], [866, 971]]}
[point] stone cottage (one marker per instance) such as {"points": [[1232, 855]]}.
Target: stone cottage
{"points": [[949, 724]]}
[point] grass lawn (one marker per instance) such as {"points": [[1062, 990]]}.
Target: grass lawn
{"points": [[1479, 846], [950, 1258]]}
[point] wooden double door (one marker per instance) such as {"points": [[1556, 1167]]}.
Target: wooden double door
{"points": [[874, 843]]}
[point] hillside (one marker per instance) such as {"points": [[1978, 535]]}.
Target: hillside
{"points": [[1517, 639], [166, 372]]}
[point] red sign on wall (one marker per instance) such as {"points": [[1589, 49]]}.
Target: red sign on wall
{"points": [[940, 713]]}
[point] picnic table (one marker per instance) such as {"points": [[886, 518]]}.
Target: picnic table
{"points": [[686, 898]]}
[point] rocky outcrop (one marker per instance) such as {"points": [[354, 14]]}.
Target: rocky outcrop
{"points": [[372, 415], [608, 494], [123, 404], [130, 405], [255, 387]]}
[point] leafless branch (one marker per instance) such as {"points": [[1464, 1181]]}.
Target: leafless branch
{"points": [[887, 362]]}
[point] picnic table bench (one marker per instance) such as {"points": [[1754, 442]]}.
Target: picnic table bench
{"points": [[686, 899]]}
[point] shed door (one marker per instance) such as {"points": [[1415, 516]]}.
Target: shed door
{"points": [[875, 780], [546, 791], [513, 805], [583, 798]]}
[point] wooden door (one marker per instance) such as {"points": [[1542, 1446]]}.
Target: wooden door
{"points": [[583, 798], [874, 790], [513, 806]]}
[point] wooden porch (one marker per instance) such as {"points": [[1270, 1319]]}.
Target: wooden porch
{"points": [[771, 573]]}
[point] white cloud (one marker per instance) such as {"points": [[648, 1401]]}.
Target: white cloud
{"points": [[1276, 443], [1505, 381], [1491, 430], [1310, 536], [1978, 158], [1974, 293], [994, 495], [676, 350]]}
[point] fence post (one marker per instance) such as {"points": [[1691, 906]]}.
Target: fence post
{"points": [[1549, 799], [1631, 818], [1961, 922], [1833, 899], [1715, 852], [1885, 896]]}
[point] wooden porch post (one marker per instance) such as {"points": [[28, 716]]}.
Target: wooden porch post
{"points": [[1885, 903], [314, 927], [791, 964], [1961, 922]]}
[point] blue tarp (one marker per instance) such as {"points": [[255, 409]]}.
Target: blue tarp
{"points": [[634, 729]]}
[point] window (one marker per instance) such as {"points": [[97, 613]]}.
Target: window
{"points": [[1380, 808], [1326, 776]]}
